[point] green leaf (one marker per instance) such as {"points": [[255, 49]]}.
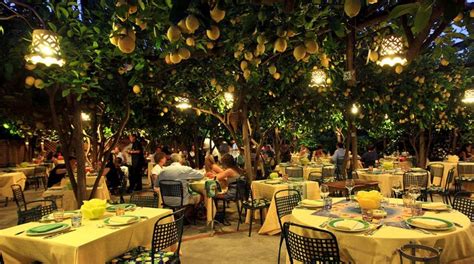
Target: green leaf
{"points": [[64, 11], [96, 29], [66, 92], [141, 4], [169, 3], [70, 34], [95, 45], [422, 18], [52, 26], [401, 10]]}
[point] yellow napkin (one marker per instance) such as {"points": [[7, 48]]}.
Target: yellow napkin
{"points": [[434, 206], [312, 202], [121, 220], [428, 223], [346, 225]]}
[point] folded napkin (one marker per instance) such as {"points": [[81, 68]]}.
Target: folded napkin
{"points": [[428, 223], [121, 219], [347, 225], [434, 206], [45, 228], [312, 202]]}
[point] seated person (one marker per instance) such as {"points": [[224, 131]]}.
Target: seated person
{"points": [[318, 153], [177, 172], [160, 161], [229, 174], [465, 154], [111, 173], [370, 157], [210, 165], [59, 172]]}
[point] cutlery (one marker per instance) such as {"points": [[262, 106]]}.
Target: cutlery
{"points": [[59, 233], [325, 223], [457, 224], [372, 231], [21, 232], [420, 229]]}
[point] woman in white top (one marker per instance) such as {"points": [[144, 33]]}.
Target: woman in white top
{"points": [[160, 161]]}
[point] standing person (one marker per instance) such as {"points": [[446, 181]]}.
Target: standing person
{"points": [[135, 177], [339, 153], [370, 157]]}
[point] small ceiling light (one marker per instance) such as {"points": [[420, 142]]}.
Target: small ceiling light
{"points": [[182, 103], [354, 109], [392, 51], [229, 99], [45, 48], [468, 96], [85, 117], [319, 78]]}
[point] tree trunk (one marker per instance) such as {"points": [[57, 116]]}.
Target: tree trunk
{"points": [[454, 141], [246, 144], [277, 146], [78, 146], [422, 151], [354, 146]]}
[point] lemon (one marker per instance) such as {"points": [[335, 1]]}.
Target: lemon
{"points": [[471, 13], [142, 24], [165, 109], [237, 54], [281, 32], [373, 56], [213, 82], [290, 33], [246, 74], [248, 56], [126, 44], [352, 7], [231, 88], [261, 39], [113, 39], [299, 52], [128, 32], [190, 42], [192, 23], [132, 9], [280, 45], [184, 53], [175, 58], [260, 49], [182, 26], [219, 88], [324, 60], [398, 69], [39, 84], [240, 46], [276, 75], [311, 46], [173, 34], [217, 14], [30, 67], [30, 81], [458, 17], [136, 89], [243, 65], [168, 59], [209, 45], [444, 62], [213, 33]]}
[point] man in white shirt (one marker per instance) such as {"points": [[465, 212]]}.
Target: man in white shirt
{"points": [[339, 153], [176, 171]]}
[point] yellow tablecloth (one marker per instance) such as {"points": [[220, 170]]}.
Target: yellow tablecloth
{"points": [[306, 170], [261, 190], [381, 247], [8, 179], [447, 166], [385, 180], [69, 202], [199, 186], [88, 244]]}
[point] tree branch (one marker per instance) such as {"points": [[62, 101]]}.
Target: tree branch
{"points": [[435, 34], [407, 30]]}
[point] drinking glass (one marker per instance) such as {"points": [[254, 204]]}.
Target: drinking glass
{"points": [[324, 191], [416, 209], [414, 192], [397, 188], [58, 215], [349, 186], [407, 200], [367, 215]]}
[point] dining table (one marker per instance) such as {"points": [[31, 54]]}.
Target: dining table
{"points": [[7, 179], [380, 246], [266, 189], [92, 242]]}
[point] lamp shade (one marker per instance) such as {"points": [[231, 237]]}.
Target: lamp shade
{"points": [[392, 51], [45, 48], [318, 78], [182, 103]]}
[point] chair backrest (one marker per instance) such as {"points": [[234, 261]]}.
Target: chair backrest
{"points": [[171, 193], [285, 201], [320, 249], [328, 171], [212, 188], [419, 254], [464, 203], [315, 176], [436, 170], [294, 172], [419, 179], [18, 196], [449, 180], [243, 190], [167, 233], [44, 207], [466, 169], [144, 199], [40, 171]]}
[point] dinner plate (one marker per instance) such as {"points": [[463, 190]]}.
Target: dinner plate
{"points": [[359, 225], [447, 208], [61, 227], [448, 226], [417, 169], [110, 223], [126, 206], [274, 181], [67, 215], [311, 205]]}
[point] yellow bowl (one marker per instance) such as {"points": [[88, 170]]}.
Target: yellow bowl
{"points": [[368, 204]]}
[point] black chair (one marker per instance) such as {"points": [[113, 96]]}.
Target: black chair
{"points": [[465, 174], [419, 254], [314, 176], [419, 179], [145, 199], [172, 194], [294, 172], [244, 193], [19, 197], [31, 211], [436, 171], [284, 206], [230, 196], [39, 177], [444, 191], [323, 249], [464, 203], [165, 234]]}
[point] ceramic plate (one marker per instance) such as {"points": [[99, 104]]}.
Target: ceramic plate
{"points": [[447, 208], [311, 205], [126, 206], [62, 227], [274, 181], [134, 220], [359, 225], [448, 226]]}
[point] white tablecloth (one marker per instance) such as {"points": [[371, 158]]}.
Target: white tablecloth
{"points": [[8, 179]]}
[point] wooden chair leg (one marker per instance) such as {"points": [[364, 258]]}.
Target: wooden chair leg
{"points": [[431, 197]]}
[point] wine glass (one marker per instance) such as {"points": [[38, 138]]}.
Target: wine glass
{"points": [[349, 186], [324, 191], [397, 188], [414, 192]]}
